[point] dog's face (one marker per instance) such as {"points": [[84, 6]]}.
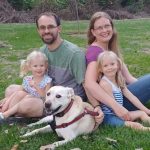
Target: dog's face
{"points": [[58, 98]]}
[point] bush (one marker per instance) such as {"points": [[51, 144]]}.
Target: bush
{"points": [[22, 4]]}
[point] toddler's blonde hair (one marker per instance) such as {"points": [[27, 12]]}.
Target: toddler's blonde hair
{"points": [[119, 77], [25, 64]]}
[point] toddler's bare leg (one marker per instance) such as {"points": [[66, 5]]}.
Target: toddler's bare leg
{"points": [[27, 107], [11, 89], [19, 95]]}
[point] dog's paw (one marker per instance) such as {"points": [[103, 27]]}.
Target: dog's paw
{"points": [[47, 147]]}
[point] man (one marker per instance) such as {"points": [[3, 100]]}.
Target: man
{"points": [[66, 61]]}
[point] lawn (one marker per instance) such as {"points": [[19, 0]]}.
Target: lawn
{"points": [[17, 40]]}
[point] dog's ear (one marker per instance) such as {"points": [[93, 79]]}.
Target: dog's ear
{"points": [[70, 93]]}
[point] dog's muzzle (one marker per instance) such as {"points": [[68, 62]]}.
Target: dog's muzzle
{"points": [[47, 105], [49, 110]]}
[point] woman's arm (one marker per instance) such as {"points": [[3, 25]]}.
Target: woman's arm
{"points": [[94, 90], [127, 75], [135, 101], [95, 103]]}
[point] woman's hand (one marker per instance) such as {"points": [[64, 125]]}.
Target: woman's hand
{"points": [[100, 117]]}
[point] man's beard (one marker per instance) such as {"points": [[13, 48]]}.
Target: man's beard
{"points": [[51, 40]]}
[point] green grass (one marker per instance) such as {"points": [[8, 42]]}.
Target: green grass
{"points": [[19, 39]]}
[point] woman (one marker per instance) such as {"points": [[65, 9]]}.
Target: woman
{"points": [[102, 36]]}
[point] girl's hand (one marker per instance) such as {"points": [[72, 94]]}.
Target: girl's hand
{"points": [[32, 83], [122, 112]]}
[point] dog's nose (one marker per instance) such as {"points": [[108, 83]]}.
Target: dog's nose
{"points": [[47, 105]]}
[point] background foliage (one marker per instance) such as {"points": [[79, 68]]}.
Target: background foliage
{"points": [[132, 5]]}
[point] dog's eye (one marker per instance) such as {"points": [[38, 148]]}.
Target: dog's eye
{"points": [[48, 94], [58, 96]]}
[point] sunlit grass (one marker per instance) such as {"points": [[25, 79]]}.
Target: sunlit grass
{"points": [[20, 39]]}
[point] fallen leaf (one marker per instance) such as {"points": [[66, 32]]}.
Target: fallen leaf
{"points": [[23, 141], [15, 147], [75, 149], [6, 131], [110, 139], [85, 137]]}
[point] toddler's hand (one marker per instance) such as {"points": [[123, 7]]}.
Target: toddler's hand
{"points": [[32, 83]]}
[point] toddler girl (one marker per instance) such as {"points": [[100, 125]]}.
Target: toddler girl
{"points": [[34, 85]]}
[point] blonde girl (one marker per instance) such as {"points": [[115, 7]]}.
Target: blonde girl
{"points": [[34, 85], [109, 67]]}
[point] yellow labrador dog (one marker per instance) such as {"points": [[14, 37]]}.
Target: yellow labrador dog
{"points": [[70, 116]]}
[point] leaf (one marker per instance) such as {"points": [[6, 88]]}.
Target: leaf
{"points": [[15, 147], [6, 131], [110, 139], [23, 141]]}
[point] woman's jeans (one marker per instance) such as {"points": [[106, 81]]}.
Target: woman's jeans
{"points": [[141, 89]]}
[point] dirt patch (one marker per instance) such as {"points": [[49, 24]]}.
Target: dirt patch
{"points": [[4, 45], [146, 50]]}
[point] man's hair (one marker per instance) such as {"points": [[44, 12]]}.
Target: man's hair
{"points": [[49, 14]]}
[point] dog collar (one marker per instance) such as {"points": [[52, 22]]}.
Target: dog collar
{"points": [[61, 114]]}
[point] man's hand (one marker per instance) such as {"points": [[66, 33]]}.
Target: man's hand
{"points": [[100, 117]]}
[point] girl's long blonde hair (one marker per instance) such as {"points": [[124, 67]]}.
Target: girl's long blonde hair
{"points": [[119, 77], [25, 64]]}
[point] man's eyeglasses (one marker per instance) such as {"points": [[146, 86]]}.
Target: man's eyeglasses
{"points": [[100, 28], [49, 27]]}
